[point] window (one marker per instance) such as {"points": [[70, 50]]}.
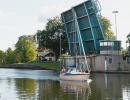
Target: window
{"points": [[50, 59], [128, 60], [110, 43], [105, 43], [110, 60], [101, 43]]}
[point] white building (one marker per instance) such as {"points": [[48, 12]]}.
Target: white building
{"points": [[47, 55]]}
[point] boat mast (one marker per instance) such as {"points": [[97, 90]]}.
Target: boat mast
{"points": [[74, 38], [77, 27]]}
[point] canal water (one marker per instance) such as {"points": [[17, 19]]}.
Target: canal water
{"points": [[19, 84]]}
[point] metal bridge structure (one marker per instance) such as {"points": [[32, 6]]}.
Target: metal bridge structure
{"points": [[83, 28]]}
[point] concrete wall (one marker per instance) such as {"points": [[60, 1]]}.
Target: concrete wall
{"points": [[71, 61], [97, 63], [111, 52], [82, 59], [68, 61], [116, 62]]}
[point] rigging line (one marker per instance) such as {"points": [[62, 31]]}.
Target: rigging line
{"points": [[75, 33], [81, 40], [74, 39], [74, 36], [75, 45]]}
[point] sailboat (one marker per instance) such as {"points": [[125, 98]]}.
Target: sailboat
{"points": [[73, 73]]}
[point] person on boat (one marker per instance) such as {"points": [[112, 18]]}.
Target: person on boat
{"points": [[82, 67], [67, 69], [63, 70]]}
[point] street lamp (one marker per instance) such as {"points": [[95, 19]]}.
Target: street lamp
{"points": [[127, 41], [115, 22], [60, 46]]}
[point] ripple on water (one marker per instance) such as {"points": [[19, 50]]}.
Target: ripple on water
{"points": [[33, 74], [16, 84]]}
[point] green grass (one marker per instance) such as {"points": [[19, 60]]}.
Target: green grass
{"points": [[49, 65], [64, 55]]}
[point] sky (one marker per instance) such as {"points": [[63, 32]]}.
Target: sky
{"points": [[25, 17]]}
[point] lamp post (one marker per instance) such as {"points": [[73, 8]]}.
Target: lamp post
{"points": [[60, 46], [115, 22], [127, 41]]}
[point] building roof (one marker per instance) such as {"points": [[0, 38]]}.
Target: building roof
{"points": [[42, 53]]}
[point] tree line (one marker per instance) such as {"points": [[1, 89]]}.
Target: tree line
{"points": [[47, 39], [25, 50]]}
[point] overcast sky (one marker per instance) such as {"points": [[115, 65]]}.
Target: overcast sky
{"points": [[25, 17]]}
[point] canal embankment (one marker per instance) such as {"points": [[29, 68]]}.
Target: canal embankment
{"points": [[112, 72], [28, 66], [54, 68]]}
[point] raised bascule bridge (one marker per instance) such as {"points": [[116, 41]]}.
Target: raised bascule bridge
{"points": [[83, 27], [86, 37]]}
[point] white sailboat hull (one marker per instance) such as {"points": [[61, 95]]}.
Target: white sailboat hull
{"points": [[84, 76]]}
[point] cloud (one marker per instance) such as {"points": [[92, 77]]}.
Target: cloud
{"points": [[37, 25], [2, 14], [47, 12], [13, 29]]}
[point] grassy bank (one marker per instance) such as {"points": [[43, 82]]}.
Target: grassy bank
{"points": [[48, 65]]}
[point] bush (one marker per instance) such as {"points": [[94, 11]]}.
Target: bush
{"points": [[59, 59]]}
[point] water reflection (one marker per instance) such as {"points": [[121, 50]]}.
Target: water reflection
{"points": [[25, 88], [32, 74], [48, 90], [46, 85], [24, 84], [109, 86], [80, 89]]}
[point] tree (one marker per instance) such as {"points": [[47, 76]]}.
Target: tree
{"points": [[9, 56], [128, 41], [123, 51], [2, 56], [39, 36], [42, 49], [106, 26], [17, 56], [50, 37], [26, 48], [128, 37]]}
